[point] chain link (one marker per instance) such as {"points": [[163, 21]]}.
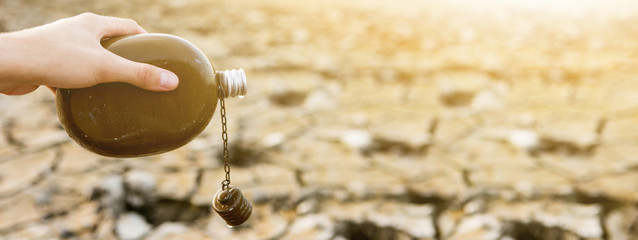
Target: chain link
{"points": [[222, 112]]}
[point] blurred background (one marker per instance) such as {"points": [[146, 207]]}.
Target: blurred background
{"points": [[363, 120]]}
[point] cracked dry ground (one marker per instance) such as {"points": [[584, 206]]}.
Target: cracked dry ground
{"points": [[363, 121]]}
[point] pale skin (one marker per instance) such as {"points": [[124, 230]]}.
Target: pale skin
{"points": [[67, 54]]}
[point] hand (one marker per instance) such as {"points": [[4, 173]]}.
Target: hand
{"points": [[67, 54]]}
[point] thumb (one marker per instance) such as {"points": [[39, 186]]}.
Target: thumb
{"points": [[142, 75]]}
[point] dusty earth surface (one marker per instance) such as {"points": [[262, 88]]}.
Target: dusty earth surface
{"points": [[364, 120]]}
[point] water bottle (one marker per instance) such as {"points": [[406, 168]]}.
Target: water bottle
{"points": [[122, 120]]}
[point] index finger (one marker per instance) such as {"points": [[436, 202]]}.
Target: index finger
{"points": [[114, 26]]}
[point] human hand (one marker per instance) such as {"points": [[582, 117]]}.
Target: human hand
{"points": [[67, 54]]}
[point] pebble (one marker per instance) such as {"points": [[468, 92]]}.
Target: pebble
{"points": [[111, 190], [131, 226], [140, 187], [273, 140], [356, 139], [176, 185], [140, 180], [524, 139]]}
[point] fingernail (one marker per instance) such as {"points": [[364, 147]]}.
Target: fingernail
{"points": [[168, 80]]}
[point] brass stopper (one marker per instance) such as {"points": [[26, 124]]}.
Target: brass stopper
{"points": [[232, 206]]}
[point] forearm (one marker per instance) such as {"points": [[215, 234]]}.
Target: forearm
{"points": [[15, 61]]}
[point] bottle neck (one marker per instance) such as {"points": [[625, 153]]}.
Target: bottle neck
{"points": [[232, 82]]}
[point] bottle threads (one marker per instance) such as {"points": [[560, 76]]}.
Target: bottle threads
{"points": [[232, 82]]}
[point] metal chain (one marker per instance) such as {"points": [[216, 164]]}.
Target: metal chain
{"points": [[222, 112]]}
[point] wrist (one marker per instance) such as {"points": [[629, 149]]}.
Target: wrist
{"points": [[13, 57]]}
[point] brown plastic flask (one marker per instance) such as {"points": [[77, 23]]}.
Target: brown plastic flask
{"points": [[122, 120]]}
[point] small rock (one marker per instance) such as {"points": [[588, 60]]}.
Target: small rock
{"points": [[113, 185], [111, 192], [307, 207], [524, 139], [356, 139], [474, 206], [131, 226], [176, 185], [139, 180], [273, 140], [140, 187]]}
